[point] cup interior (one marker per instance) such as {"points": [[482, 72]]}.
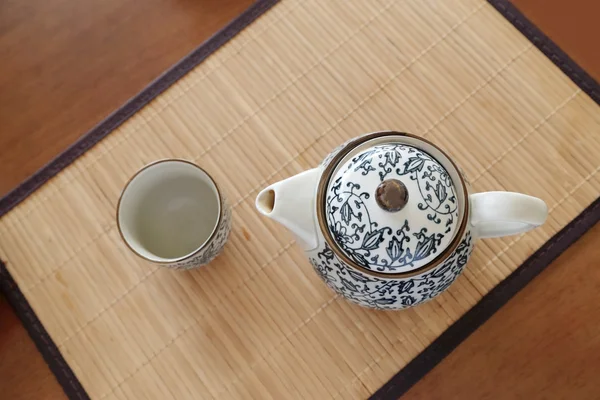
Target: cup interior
{"points": [[169, 210]]}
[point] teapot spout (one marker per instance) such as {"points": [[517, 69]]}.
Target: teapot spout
{"points": [[291, 202]]}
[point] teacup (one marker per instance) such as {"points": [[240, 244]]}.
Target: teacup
{"points": [[173, 213]]}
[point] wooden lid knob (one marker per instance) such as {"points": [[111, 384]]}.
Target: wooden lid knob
{"points": [[391, 195]]}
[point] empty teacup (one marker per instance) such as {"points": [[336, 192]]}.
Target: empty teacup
{"points": [[172, 212]]}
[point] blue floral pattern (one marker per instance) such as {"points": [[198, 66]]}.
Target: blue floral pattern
{"points": [[384, 242], [390, 242], [389, 294]]}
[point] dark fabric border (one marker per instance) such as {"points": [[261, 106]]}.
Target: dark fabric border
{"points": [[8, 287], [452, 337], [63, 373], [434, 353]]}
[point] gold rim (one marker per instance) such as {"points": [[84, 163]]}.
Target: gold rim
{"points": [[212, 235], [324, 182]]}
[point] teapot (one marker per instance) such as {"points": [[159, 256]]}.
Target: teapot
{"points": [[389, 221]]}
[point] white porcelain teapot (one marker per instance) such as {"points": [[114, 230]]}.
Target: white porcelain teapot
{"points": [[388, 220]]}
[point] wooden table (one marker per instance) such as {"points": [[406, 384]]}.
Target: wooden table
{"points": [[67, 64]]}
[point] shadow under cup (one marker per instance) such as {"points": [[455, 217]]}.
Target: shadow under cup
{"points": [[168, 211]]}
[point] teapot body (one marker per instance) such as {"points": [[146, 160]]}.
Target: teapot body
{"points": [[389, 221], [385, 292]]}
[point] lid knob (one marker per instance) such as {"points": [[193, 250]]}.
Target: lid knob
{"points": [[391, 195]]}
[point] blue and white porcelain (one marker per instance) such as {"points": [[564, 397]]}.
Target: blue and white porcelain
{"points": [[388, 220], [173, 213]]}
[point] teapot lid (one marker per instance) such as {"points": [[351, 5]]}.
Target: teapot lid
{"points": [[390, 206]]}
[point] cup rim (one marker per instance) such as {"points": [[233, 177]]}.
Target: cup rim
{"points": [[204, 244]]}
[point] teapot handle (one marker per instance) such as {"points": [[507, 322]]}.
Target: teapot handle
{"points": [[495, 214]]}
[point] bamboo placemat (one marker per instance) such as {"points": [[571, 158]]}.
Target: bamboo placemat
{"points": [[258, 322]]}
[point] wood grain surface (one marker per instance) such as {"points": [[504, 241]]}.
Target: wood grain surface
{"points": [[66, 65], [23, 372], [572, 25]]}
